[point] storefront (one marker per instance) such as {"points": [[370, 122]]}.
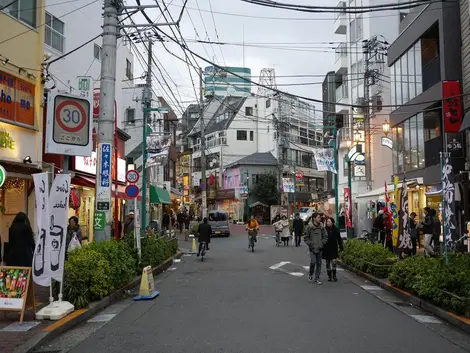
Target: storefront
{"points": [[160, 201], [227, 201]]}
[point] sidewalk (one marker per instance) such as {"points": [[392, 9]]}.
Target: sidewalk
{"points": [[10, 340]]}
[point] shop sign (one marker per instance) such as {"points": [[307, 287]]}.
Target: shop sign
{"points": [[6, 141], [3, 175], [16, 100], [104, 178], [100, 221], [85, 86], [88, 165], [225, 194], [452, 106], [387, 142]]}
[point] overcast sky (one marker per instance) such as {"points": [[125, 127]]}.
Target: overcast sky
{"points": [[303, 46]]}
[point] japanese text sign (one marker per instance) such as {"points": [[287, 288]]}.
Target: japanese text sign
{"points": [[452, 106], [16, 100]]}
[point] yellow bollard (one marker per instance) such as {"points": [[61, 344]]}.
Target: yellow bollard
{"points": [[194, 248]]}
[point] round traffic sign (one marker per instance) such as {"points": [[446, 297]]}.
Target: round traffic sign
{"points": [[132, 176], [3, 176], [70, 115], [132, 191]]}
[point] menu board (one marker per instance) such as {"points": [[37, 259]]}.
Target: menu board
{"points": [[16, 290]]}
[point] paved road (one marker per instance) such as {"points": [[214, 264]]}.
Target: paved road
{"points": [[234, 302]]}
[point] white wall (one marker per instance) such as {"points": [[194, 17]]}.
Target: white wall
{"points": [[79, 27]]}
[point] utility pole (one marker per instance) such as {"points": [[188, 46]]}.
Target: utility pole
{"points": [[105, 136], [367, 119], [147, 101], [203, 146]]}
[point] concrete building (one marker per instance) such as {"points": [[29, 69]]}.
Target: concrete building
{"points": [[21, 109], [65, 30], [350, 61], [425, 55], [220, 83]]}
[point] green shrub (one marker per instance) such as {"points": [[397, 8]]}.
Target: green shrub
{"points": [[368, 257], [446, 285], [120, 259], [87, 276]]}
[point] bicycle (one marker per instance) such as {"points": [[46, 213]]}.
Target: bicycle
{"points": [[203, 250], [252, 234], [457, 245]]}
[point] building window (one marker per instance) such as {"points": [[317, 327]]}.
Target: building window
{"points": [[356, 29], [249, 111], [54, 33], [23, 10], [130, 116], [432, 124], [251, 136], [97, 51], [129, 70], [268, 103], [241, 135]]}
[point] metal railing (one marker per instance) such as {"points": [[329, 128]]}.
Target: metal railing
{"points": [[341, 51]]}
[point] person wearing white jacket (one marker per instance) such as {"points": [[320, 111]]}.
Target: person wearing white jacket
{"points": [[283, 227]]}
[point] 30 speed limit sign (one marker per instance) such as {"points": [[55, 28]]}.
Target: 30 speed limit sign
{"points": [[69, 125], [132, 176]]}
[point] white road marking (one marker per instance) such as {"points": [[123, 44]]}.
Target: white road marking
{"points": [[296, 274], [102, 318], [172, 269], [369, 288], [426, 319], [176, 260], [278, 265]]}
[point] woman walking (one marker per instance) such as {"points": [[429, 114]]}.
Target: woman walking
{"points": [[283, 227], [330, 250]]}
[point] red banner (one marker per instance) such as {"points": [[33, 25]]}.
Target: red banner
{"points": [[452, 106], [347, 207]]}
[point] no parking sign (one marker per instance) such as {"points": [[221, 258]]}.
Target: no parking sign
{"points": [[69, 124]]}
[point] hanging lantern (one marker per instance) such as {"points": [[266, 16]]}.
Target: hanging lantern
{"points": [[75, 200], [211, 179]]}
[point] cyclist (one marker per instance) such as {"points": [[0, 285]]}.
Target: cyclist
{"points": [[252, 227], [205, 232]]}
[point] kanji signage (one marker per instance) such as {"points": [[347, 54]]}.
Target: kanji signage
{"points": [[452, 106], [16, 100], [88, 165], [69, 127], [103, 194]]}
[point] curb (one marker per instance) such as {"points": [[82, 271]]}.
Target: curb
{"points": [[461, 322], [82, 315]]}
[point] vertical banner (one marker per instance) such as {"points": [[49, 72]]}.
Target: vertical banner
{"points": [[395, 211], [452, 106], [58, 209], [347, 207], [103, 182], [387, 199], [448, 200], [41, 261], [404, 237]]}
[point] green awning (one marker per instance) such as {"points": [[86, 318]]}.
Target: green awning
{"points": [[159, 195]]}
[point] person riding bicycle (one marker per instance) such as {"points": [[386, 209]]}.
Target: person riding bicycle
{"points": [[252, 227], [205, 232]]}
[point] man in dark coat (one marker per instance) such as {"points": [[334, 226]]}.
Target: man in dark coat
{"points": [[205, 232], [298, 227]]}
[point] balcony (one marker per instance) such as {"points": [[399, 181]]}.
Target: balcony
{"points": [[341, 62], [345, 137], [216, 142], [342, 97], [341, 22]]}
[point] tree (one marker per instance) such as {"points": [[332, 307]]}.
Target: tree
{"points": [[266, 189]]}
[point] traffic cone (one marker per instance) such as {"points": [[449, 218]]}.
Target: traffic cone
{"points": [[193, 247]]}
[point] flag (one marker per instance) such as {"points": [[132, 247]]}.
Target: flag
{"points": [[394, 207], [404, 236], [58, 209], [347, 207], [448, 190], [41, 261]]}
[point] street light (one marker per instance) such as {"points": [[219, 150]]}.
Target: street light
{"points": [[386, 127], [354, 152]]}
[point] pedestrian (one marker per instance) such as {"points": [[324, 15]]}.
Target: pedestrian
{"points": [[180, 218], [388, 230], [73, 230], [315, 239], [129, 225], [298, 227], [21, 246], [413, 233], [204, 231], [166, 221], [378, 227], [282, 227], [187, 220], [330, 251], [427, 228], [342, 222]]}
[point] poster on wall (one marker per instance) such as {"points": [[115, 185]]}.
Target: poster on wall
{"points": [[347, 207]]}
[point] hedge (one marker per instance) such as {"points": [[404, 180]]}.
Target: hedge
{"points": [[368, 257], [96, 270], [445, 285]]}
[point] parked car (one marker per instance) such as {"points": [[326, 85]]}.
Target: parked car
{"points": [[219, 222], [306, 213]]}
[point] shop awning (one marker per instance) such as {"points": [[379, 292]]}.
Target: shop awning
{"points": [[158, 195], [80, 180], [380, 192], [257, 203]]}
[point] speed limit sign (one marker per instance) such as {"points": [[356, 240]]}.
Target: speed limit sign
{"points": [[69, 124], [132, 176]]}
